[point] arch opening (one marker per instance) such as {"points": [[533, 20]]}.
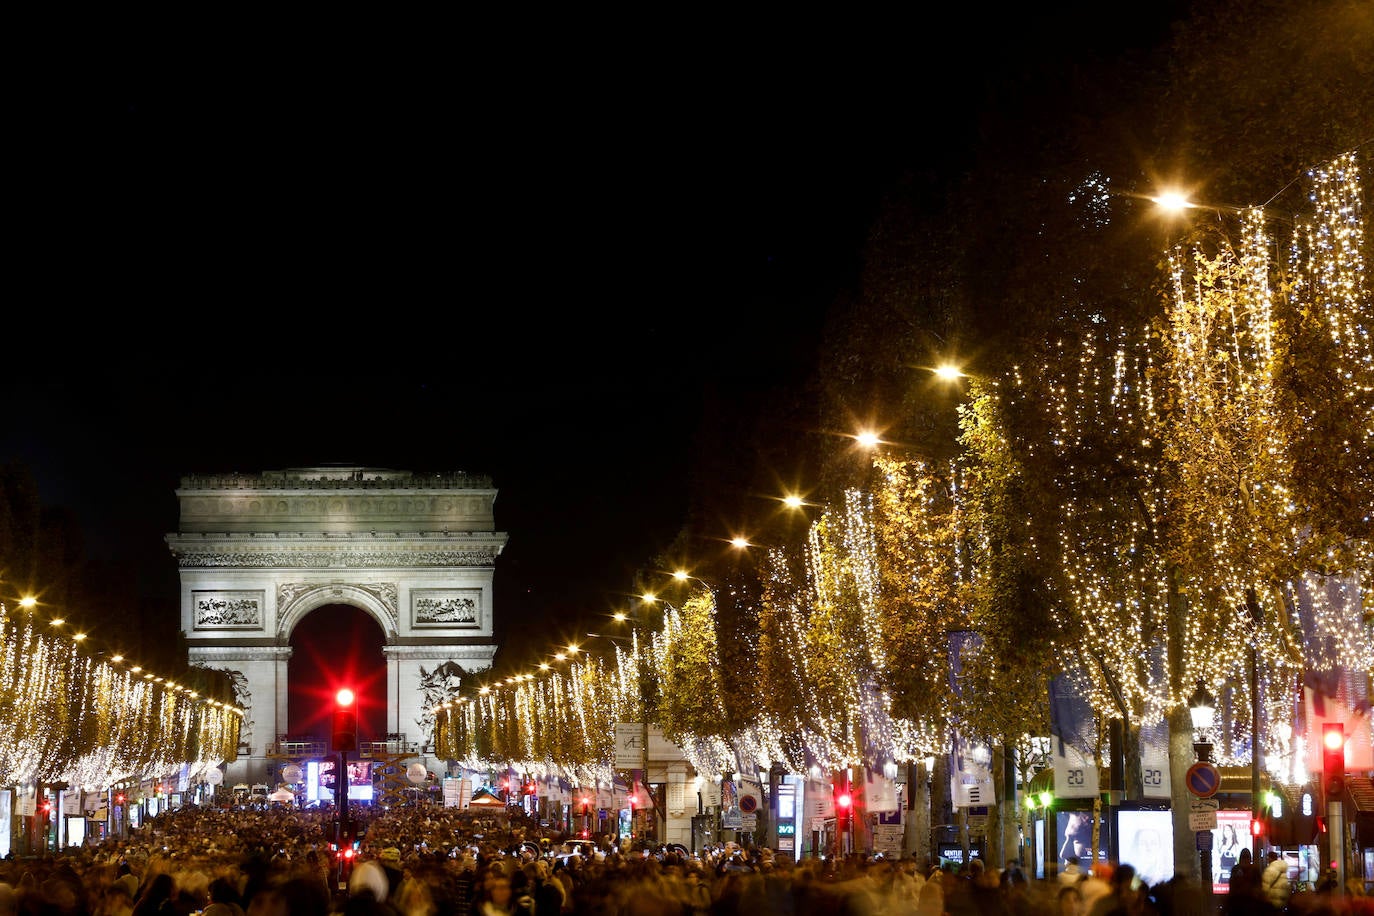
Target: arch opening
{"points": [[334, 646]]}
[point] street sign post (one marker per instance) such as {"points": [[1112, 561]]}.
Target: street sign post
{"points": [[1202, 815]]}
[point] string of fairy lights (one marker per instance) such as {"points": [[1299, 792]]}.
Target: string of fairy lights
{"points": [[1191, 417], [68, 715]]}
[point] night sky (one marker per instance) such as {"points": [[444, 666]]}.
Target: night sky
{"points": [[552, 279]]}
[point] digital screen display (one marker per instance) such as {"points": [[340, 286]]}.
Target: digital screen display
{"points": [[319, 780], [1074, 830], [1147, 843]]}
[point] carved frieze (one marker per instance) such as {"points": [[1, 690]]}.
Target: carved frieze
{"points": [[449, 608], [228, 610], [343, 559]]}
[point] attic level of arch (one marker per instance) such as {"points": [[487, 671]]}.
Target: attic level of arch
{"points": [[389, 503], [337, 478]]}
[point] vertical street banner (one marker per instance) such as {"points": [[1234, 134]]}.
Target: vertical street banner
{"points": [[970, 762], [629, 745], [710, 793], [880, 793], [1072, 731], [818, 803], [1154, 774]]}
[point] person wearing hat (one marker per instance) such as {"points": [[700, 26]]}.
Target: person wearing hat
{"points": [[390, 860], [1274, 881]]}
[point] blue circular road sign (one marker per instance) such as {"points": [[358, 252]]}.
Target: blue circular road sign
{"points": [[1203, 780]]}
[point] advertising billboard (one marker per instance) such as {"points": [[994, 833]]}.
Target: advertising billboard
{"points": [[1147, 844]]}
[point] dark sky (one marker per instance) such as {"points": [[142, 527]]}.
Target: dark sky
{"points": [[537, 271]]}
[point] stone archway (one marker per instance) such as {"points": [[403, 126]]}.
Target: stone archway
{"points": [[257, 553], [333, 646], [295, 600]]}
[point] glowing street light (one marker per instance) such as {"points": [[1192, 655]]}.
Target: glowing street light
{"points": [[1173, 202], [949, 372]]}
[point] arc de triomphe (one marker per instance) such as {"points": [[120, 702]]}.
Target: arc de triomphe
{"points": [[258, 552]]}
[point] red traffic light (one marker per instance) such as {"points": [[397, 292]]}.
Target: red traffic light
{"points": [[119, 799], [1256, 827], [345, 721], [1333, 759], [844, 801]]}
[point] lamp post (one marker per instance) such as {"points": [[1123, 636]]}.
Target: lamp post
{"points": [[1202, 706]]}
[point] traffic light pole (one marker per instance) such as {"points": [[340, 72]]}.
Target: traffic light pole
{"points": [[1335, 824], [1333, 788], [345, 735], [341, 799]]}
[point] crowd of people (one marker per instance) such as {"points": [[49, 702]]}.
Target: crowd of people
{"points": [[434, 861]]}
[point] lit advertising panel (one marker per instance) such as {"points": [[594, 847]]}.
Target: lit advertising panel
{"points": [[1147, 844]]}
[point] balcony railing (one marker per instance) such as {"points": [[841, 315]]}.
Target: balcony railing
{"points": [[309, 746], [392, 744]]}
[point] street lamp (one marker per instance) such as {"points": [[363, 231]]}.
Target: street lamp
{"points": [[1202, 706]]}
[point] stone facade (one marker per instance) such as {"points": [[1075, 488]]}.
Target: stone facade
{"points": [[257, 553]]}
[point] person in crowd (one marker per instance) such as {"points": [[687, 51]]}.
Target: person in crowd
{"points": [[1274, 881], [1123, 898], [1095, 885], [494, 897], [1244, 871], [224, 898], [1070, 901], [155, 899], [1228, 851], [293, 894], [368, 890], [1071, 873]]}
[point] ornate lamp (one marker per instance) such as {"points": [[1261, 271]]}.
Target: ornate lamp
{"points": [[1202, 706]]}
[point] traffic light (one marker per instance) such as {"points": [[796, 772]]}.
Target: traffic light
{"points": [[345, 721], [119, 799], [1257, 826], [844, 802], [1333, 760]]}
